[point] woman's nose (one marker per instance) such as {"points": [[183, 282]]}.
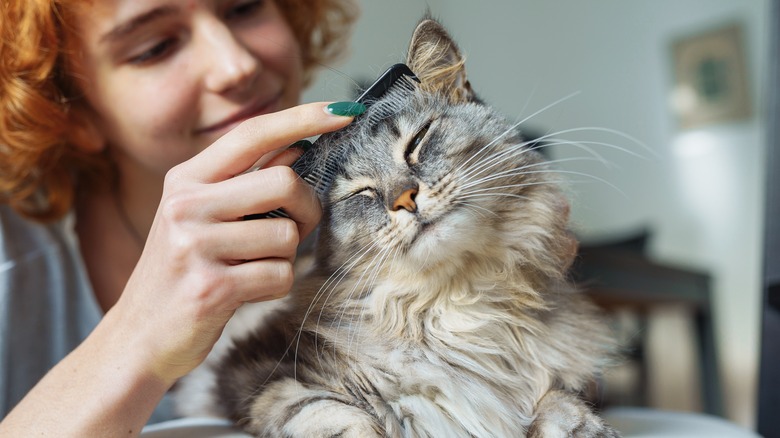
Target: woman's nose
{"points": [[229, 65]]}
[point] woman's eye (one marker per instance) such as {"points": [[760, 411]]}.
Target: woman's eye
{"points": [[155, 53], [243, 9], [414, 144]]}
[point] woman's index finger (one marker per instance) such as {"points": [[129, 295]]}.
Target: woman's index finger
{"points": [[242, 147]]}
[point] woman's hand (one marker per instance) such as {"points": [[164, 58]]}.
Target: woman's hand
{"points": [[202, 261]]}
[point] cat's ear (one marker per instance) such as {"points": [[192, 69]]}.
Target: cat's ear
{"points": [[436, 60]]}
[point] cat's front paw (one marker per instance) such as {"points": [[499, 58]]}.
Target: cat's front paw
{"points": [[330, 419], [559, 414], [585, 428], [355, 428]]}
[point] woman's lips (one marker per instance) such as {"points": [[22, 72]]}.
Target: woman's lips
{"points": [[256, 109]]}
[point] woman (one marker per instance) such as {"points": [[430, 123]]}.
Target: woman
{"points": [[127, 128]]}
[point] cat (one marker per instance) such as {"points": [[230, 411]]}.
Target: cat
{"points": [[438, 304]]}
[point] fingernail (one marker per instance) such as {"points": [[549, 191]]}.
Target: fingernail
{"points": [[346, 109], [305, 145]]}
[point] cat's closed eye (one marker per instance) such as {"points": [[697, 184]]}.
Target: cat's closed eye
{"points": [[412, 153], [365, 191]]}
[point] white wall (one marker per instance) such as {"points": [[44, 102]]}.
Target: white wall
{"points": [[700, 191]]}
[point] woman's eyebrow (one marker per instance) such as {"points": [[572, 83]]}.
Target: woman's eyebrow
{"points": [[131, 25]]}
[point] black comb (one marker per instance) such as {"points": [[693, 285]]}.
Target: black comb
{"points": [[396, 77]]}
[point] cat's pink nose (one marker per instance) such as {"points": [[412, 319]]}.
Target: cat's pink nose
{"points": [[406, 201]]}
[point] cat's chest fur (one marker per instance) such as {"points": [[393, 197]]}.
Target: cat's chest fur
{"points": [[426, 394], [464, 365]]}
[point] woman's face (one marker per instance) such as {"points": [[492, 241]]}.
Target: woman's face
{"points": [[168, 77]]}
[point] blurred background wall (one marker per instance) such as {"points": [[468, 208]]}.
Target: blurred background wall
{"points": [[698, 191]]}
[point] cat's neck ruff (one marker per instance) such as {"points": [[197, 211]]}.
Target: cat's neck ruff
{"points": [[464, 300]]}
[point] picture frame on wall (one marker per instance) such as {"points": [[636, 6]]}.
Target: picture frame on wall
{"points": [[710, 78]]}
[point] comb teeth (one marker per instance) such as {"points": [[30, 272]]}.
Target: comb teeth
{"points": [[390, 90], [320, 177], [393, 101]]}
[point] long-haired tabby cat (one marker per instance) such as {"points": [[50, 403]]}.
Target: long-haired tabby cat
{"points": [[438, 305]]}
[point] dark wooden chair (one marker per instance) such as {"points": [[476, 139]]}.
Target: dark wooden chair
{"points": [[618, 276]]}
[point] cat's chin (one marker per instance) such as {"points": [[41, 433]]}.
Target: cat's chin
{"points": [[444, 239]]}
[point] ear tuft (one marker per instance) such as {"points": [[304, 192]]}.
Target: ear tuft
{"points": [[436, 60]]}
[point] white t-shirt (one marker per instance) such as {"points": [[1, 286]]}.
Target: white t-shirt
{"points": [[47, 306]]}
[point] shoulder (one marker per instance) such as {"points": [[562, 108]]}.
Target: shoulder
{"points": [[34, 255], [23, 240], [46, 304]]}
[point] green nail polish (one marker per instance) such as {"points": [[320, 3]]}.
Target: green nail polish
{"points": [[346, 109], [305, 145]]}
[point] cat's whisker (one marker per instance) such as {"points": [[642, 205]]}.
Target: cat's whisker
{"points": [[562, 160], [508, 186], [338, 276], [359, 321], [330, 284], [359, 281], [256, 391], [369, 287], [546, 107], [583, 129], [524, 171], [348, 265], [487, 194], [519, 171], [505, 155], [504, 195], [536, 140], [488, 162], [582, 145], [473, 181], [484, 149], [341, 272], [526, 104], [539, 143], [475, 209], [520, 149], [470, 193], [515, 126], [466, 194], [373, 271], [587, 175]]}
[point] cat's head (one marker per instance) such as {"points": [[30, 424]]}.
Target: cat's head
{"points": [[441, 182]]}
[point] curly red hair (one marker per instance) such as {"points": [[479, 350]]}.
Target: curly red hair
{"points": [[41, 164]]}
